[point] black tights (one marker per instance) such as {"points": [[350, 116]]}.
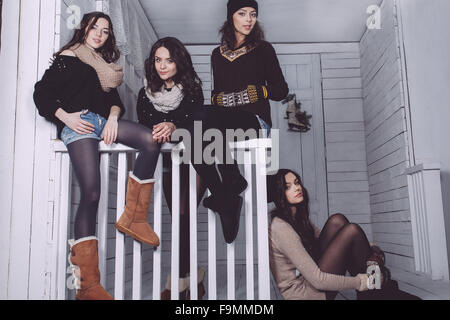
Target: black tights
{"points": [[221, 119], [85, 159], [184, 211], [343, 247]]}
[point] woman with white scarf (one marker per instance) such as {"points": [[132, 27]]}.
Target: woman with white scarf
{"points": [[172, 98]]}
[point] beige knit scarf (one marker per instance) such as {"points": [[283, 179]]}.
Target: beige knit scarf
{"points": [[109, 74]]}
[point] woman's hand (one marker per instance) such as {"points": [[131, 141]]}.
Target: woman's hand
{"points": [[74, 121], [363, 277], [163, 131], [109, 134]]}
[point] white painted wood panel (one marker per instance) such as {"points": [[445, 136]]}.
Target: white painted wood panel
{"points": [[306, 150], [24, 153], [42, 196], [348, 186], [386, 137], [8, 65]]}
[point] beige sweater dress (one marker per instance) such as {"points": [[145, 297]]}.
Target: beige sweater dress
{"points": [[287, 254]]}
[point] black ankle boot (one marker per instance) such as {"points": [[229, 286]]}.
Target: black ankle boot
{"points": [[234, 182], [230, 215], [213, 203], [229, 209]]}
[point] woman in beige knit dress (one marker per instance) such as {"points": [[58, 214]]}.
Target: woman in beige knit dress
{"points": [[321, 257]]}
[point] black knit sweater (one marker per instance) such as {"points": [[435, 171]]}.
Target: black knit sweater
{"points": [[72, 85], [180, 117], [257, 67]]}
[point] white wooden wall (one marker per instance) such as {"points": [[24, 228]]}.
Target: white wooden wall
{"points": [[387, 140], [306, 150], [348, 186], [27, 221], [8, 64], [423, 29]]}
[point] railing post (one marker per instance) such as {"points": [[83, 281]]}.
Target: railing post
{"points": [[63, 210], [157, 224], [262, 223], [212, 264], [193, 232], [249, 226], [120, 238], [103, 216], [175, 257], [137, 268]]}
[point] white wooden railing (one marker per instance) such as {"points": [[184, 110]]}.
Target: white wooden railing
{"points": [[427, 220], [62, 184]]}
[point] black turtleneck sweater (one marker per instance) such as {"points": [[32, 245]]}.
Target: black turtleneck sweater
{"points": [[257, 67], [72, 85]]}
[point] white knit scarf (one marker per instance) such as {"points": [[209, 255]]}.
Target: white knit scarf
{"points": [[163, 100]]}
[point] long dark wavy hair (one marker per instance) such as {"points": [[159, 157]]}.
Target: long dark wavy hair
{"points": [[300, 222], [109, 51], [186, 75], [227, 32]]}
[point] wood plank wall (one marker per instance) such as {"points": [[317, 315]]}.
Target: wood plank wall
{"points": [[9, 66], [348, 186], [386, 139]]}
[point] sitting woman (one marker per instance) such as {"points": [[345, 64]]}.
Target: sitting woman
{"points": [[79, 94], [172, 96], [321, 257]]}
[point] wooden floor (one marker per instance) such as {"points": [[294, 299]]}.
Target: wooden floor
{"points": [[416, 284]]}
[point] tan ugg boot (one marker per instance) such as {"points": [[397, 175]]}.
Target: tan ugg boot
{"points": [[83, 260], [134, 219]]}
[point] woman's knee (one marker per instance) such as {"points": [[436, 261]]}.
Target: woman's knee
{"points": [[354, 229], [91, 198], [148, 144], [338, 220]]}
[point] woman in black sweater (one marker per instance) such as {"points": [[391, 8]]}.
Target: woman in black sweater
{"points": [[247, 75], [79, 94], [171, 99]]}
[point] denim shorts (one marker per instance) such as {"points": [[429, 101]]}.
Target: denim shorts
{"points": [[68, 135], [264, 126]]}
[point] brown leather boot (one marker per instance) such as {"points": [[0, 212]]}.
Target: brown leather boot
{"points": [[83, 260], [134, 219]]}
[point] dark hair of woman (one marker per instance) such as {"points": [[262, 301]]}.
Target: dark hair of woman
{"points": [[109, 51], [227, 31], [300, 222], [186, 75]]}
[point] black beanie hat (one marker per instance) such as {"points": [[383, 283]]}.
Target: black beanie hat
{"points": [[235, 5]]}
